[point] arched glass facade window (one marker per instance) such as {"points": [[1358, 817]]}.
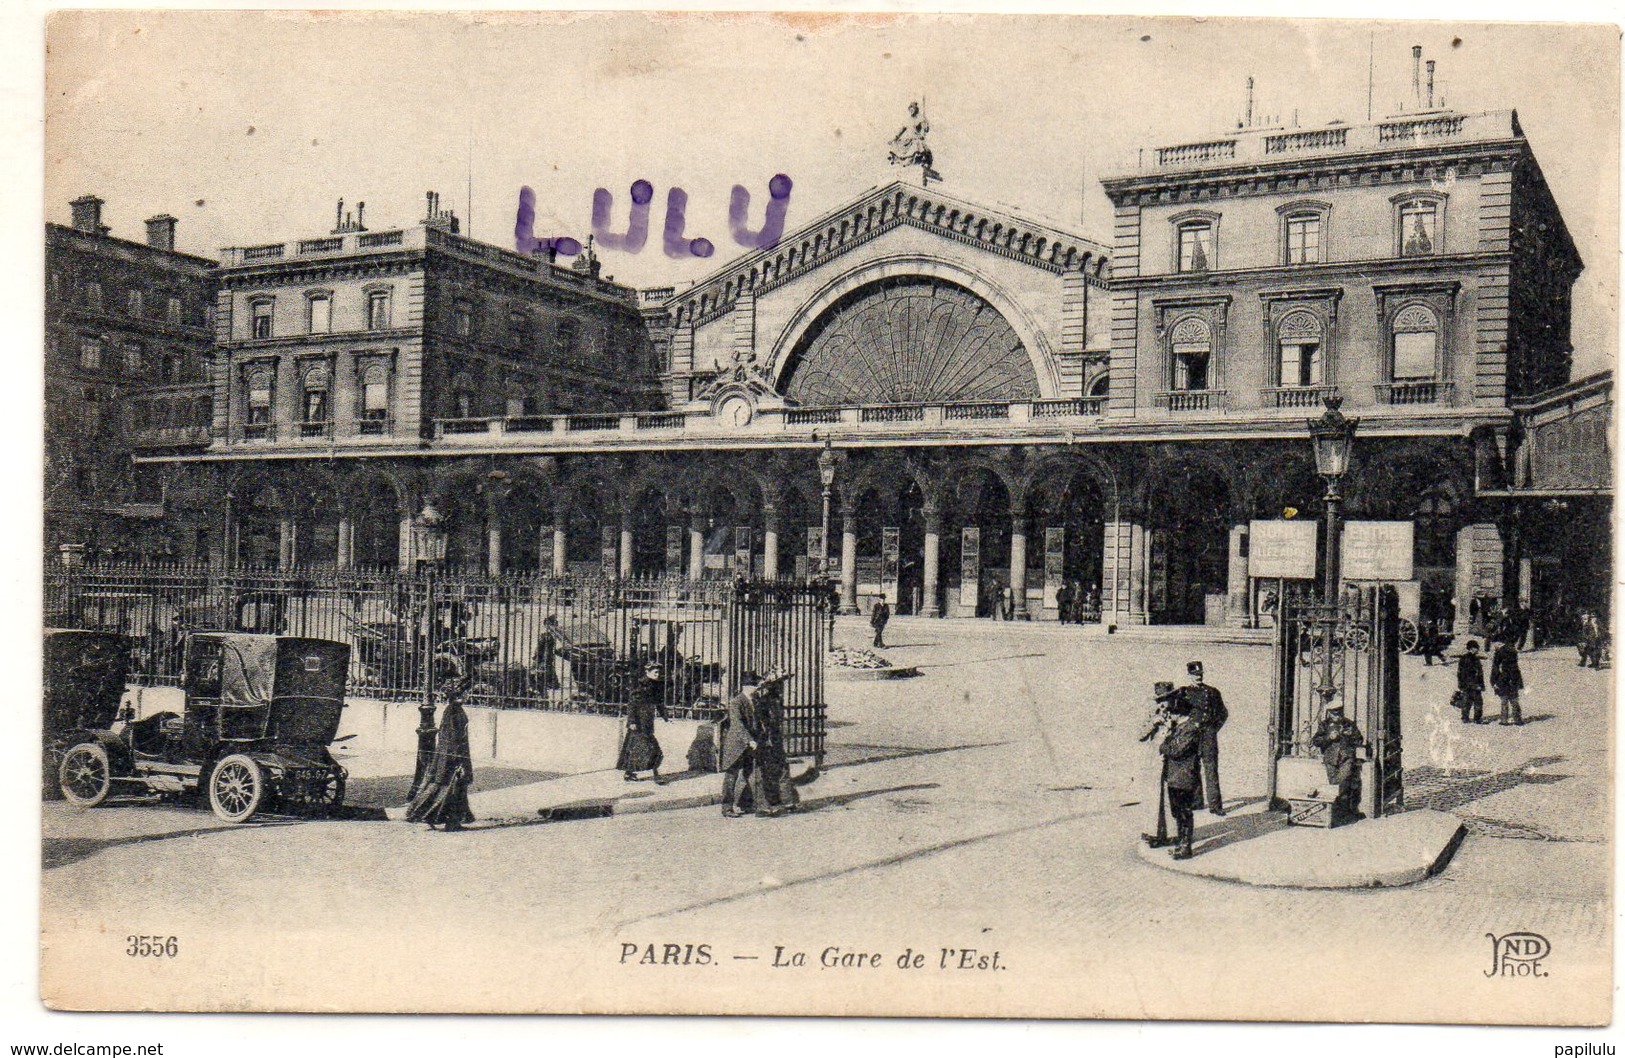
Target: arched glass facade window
{"points": [[1415, 348], [1190, 349], [1300, 360]]}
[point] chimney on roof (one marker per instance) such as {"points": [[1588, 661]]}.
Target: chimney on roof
{"points": [[435, 217], [1430, 84], [161, 232], [1416, 74], [1249, 119], [87, 214]]}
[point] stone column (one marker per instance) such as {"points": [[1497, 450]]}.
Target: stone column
{"points": [[1018, 567], [287, 542], [493, 536], [696, 547], [1238, 603], [1123, 572], [930, 605], [849, 559], [626, 543], [770, 543], [560, 550], [346, 551], [1479, 557], [406, 556]]}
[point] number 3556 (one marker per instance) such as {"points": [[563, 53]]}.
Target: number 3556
{"points": [[154, 947]]}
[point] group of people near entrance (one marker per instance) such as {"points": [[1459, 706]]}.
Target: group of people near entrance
{"points": [[1189, 719]]}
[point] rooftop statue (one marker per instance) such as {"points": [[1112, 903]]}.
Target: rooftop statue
{"points": [[908, 147]]}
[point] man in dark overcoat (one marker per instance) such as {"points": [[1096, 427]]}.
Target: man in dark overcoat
{"points": [[742, 734], [1180, 766], [1470, 685], [877, 620], [1339, 740], [1161, 719], [1206, 707]]}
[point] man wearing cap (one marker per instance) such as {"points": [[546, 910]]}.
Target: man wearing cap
{"points": [[741, 735], [1470, 685], [1161, 718], [1339, 740], [1206, 707]]}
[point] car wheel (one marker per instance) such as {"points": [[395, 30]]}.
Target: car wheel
{"points": [[86, 775], [236, 788], [1409, 637]]}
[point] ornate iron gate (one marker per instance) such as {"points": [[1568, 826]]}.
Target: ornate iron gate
{"points": [[1344, 653]]}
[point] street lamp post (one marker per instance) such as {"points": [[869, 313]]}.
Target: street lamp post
{"points": [[1333, 437], [430, 551], [826, 479]]}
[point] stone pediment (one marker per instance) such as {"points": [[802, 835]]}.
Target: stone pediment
{"points": [[839, 232]]}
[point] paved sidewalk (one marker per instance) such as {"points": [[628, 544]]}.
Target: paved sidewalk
{"points": [[1257, 847]]}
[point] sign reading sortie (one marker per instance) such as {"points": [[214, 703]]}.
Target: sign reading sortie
{"points": [[1378, 550], [1281, 548]]}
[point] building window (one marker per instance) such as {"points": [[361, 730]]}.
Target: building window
{"points": [[320, 314], [1417, 225], [93, 296], [257, 397], [135, 359], [1191, 348], [564, 339], [462, 316], [169, 369], [462, 396], [378, 310], [1303, 239], [375, 399], [1415, 344], [1196, 246], [1102, 386], [173, 310], [90, 354], [517, 406], [133, 303], [1299, 358], [314, 408], [260, 317]]}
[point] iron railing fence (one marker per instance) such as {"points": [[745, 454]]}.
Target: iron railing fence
{"points": [[522, 641]]}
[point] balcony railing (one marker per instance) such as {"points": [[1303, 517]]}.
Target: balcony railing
{"points": [[1185, 400], [328, 245], [892, 413], [1195, 153], [1056, 409], [380, 238], [380, 427], [1313, 140], [663, 420], [461, 426], [1297, 396], [961, 412], [575, 423], [812, 416], [1419, 391], [316, 429], [1421, 129], [259, 431], [269, 252], [527, 424]]}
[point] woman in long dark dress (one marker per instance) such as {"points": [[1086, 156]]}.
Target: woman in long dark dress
{"points": [[442, 797], [640, 750]]}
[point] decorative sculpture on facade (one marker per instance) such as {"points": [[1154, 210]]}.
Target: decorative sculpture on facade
{"points": [[908, 147]]}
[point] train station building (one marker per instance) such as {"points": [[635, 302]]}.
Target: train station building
{"points": [[1009, 405]]}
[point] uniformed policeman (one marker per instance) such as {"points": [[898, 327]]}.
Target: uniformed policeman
{"points": [[1206, 707]]}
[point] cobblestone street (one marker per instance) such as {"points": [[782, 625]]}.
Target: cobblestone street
{"points": [[990, 804]]}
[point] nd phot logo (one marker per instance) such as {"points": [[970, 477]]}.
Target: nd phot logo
{"points": [[1517, 955]]}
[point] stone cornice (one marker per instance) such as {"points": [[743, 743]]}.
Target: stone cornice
{"points": [[333, 338], [1315, 174], [157, 330], [319, 270], [1349, 272], [882, 210]]}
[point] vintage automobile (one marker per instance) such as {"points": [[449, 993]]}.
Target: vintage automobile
{"points": [[261, 712], [84, 681]]}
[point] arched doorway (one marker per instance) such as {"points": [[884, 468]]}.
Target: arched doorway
{"points": [[976, 581], [375, 522], [1189, 546]]}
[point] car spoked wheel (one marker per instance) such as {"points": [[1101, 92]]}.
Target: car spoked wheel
{"points": [[236, 788], [86, 775], [314, 795]]}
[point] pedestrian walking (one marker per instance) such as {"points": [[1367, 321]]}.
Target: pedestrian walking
{"points": [[1161, 718], [1470, 685], [1431, 642], [1591, 640], [1007, 603], [1339, 740], [442, 795], [771, 789], [877, 620], [1063, 602], [1507, 679], [640, 750], [1181, 755], [1206, 707], [753, 760]]}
